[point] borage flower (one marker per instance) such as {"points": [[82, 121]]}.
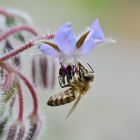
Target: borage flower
{"points": [[67, 48]]}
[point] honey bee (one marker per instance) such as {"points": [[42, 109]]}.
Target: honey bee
{"points": [[78, 83]]}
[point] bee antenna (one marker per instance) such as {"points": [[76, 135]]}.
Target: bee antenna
{"points": [[61, 64], [92, 71]]}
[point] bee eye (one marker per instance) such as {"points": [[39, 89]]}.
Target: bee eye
{"points": [[61, 71], [69, 68]]}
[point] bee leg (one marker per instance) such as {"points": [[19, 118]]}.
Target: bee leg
{"points": [[82, 70], [74, 79], [79, 69], [62, 83], [74, 106], [68, 85], [63, 86]]}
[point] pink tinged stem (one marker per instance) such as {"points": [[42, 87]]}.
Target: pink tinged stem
{"points": [[25, 47], [9, 77], [8, 82], [16, 30], [20, 95], [5, 13], [6, 66], [33, 92], [9, 68], [17, 51]]}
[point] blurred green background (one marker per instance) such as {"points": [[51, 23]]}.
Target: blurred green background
{"points": [[110, 111]]}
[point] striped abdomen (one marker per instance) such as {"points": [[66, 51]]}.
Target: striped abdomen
{"points": [[62, 98]]}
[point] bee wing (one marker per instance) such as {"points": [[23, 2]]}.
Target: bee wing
{"points": [[74, 106]]}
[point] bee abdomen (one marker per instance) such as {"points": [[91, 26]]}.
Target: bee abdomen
{"points": [[61, 99]]}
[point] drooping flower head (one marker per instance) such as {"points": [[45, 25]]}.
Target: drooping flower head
{"points": [[68, 48]]}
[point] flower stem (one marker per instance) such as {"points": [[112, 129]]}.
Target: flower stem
{"points": [[6, 66], [17, 51], [20, 95], [25, 47], [10, 76], [9, 68], [5, 13], [17, 29], [33, 92]]}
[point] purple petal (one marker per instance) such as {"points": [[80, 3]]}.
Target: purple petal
{"points": [[96, 36], [88, 44], [98, 32], [47, 49], [65, 38]]}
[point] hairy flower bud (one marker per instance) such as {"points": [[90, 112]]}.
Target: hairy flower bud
{"points": [[34, 128], [7, 113], [43, 71], [16, 131], [4, 97]]}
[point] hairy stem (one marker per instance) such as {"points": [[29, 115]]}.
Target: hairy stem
{"points": [[16, 30], [25, 47], [9, 68], [20, 95], [32, 91], [17, 51], [6, 66], [5, 13]]}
